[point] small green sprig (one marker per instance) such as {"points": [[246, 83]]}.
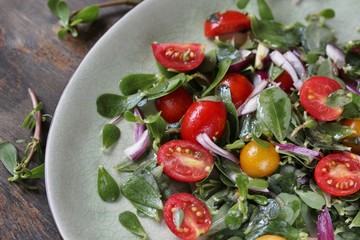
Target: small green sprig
{"points": [[70, 20], [8, 153]]}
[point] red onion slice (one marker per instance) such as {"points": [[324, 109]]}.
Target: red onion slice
{"points": [[281, 61], [251, 100], [246, 58], [139, 127], [204, 140], [336, 55], [296, 63], [352, 89], [135, 150], [300, 150], [324, 225], [261, 54]]}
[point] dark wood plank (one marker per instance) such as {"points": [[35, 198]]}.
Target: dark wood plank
{"points": [[31, 56]]}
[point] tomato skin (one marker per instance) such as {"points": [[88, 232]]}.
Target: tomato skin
{"points": [[355, 125], [257, 161], [185, 161], [227, 22], [286, 82], [338, 174], [197, 218], [240, 87], [313, 95], [181, 57], [204, 117], [174, 105], [270, 237]]}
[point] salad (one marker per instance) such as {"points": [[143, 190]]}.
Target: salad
{"points": [[255, 138]]}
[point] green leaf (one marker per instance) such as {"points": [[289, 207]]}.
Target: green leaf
{"points": [[315, 37], [290, 207], [258, 183], [87, 14], [110, 135], [274, 110], [148, 211], [242, 183], [52, 5], [274, 34], [108, 188], [352, 110], [167, 86], [37, 172], [157, 127], [241, 4], [112, 105], [312, 199], [223, 68], [8, 156], [62, 33], [132, 83], [264, 10], [233, 218], [75, 22], [178, 217], [327, 13], [138, 190], [339, 98], [131, 222], [356, 221], [63, 11]]}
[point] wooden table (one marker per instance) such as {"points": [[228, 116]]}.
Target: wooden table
{"points": [[32, 56]]}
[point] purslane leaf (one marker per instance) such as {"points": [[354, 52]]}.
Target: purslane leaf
{"points": [[132, 83], [110, 135], [130, 221], [223, 68], [52, 5], [108, 189], [87, 14], [63, 12], [8, 156], [241, 4], [264, 10]]}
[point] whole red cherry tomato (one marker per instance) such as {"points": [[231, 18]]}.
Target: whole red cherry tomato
{"points": [[240, 87], [174, 105], [181, 57], [204, 117], [227, 22], [286, 82]]}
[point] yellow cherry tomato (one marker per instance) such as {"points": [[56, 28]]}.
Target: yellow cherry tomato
{"points": [[355, 125], [270, 237], [257, 161]]}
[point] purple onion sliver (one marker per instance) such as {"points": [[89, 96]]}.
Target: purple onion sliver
{"points": [[336, 55], [352, 89], [135, 150], [258, 88], [139, 127], [242, 63], [204, 140], [324, 225], [300, 150], [249, 106], [296, 63]]}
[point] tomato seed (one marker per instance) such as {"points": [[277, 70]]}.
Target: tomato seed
{"points": [[329, 181], [351, 183], [194, 209], [199, 213]]}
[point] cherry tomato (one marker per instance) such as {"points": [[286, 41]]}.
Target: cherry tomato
{"points": [[174, 105], [240, 87], [185, 161], [258, 161], [204, 117], [270, 237], [286, 82], [196, 221], [313, 95], [355, 125], [338, 174], [227, 22], [181, 57]]}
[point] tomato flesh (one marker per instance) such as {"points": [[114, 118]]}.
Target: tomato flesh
{"points": [[174, 105], [204, 117], [227, 22], [313, 95], [181, 57], [185, 161], [240, 87], [286, 82], [196, 221], [338, 174]]}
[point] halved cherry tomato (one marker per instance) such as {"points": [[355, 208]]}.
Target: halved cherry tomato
{"points": [[286, 82], [258, 161], [349, 140], [197, 218], [240, 87], [227, 22], [181, 57], [185, 161], [313, 95], [338, 174], [204, 117], [270, 237], [174, 105]]}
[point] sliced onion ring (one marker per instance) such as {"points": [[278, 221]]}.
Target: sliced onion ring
{"points": [[139, 127], [300, 150], [137, 149], [296, 63], [204, 140], [324, 225], [336, 55]]}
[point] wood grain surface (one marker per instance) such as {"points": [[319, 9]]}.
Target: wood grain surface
{"points": [[32, 56]]}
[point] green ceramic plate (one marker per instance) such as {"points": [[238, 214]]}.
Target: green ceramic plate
{"points": [[74, 144]]}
